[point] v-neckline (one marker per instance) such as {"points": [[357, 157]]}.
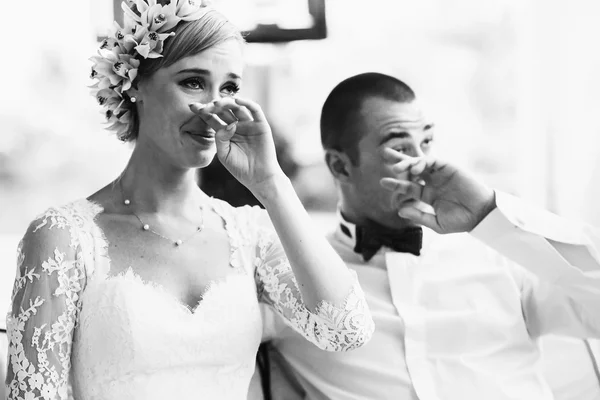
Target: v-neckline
{"points": [[130, 275], [95, 209]]}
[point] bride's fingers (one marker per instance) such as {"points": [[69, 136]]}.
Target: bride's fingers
{"points": [[240, 112], [203, 111], [228, 110], [227, 116], [254, 108], [216, 114], [226, 133]]}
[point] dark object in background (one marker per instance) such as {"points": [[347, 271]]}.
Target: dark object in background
{"points": [[272, 33], [217, 182], [266, 31]]}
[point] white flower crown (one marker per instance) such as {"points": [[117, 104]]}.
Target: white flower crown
{"points": [[146, 26]]}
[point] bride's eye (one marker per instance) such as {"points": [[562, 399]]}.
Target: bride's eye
{"points": [[193, 83], [231, 89]]}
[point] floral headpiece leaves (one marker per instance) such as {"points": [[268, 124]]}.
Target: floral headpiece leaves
{"points": [[146, 27]]}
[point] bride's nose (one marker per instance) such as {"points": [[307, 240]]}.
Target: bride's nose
{"points": [[211, 95]]}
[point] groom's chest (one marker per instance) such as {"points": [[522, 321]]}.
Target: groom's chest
{"points": [[452, 296]]}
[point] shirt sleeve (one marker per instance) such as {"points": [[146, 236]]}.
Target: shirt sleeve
{"points": [[559, 266], [332, 327], [45, 305]]}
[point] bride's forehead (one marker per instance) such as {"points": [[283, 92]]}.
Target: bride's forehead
{"points": [[224, 57]]}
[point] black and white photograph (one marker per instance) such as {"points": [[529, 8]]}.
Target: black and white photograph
{"points": [[300, 200]]}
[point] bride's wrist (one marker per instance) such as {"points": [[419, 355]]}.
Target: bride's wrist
{"points": [[271, 188]]}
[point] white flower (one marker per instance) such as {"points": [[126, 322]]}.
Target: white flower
{"points": [[160, 18], [17, 336], [67, 284], [151, 45], [48, 391], [103, 66], [191, 10], [36, 380], [62, 329]]}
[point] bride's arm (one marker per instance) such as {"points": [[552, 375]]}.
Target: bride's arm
{"points": [[319, 280], [44, 310], [304, 279], [319, 271]]}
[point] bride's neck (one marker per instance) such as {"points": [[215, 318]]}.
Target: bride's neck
{"points": [[156, 188]]}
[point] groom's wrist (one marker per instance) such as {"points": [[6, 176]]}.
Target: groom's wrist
{"points": [[488, 205]]}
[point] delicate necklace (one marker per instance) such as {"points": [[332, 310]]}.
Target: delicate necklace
{"points": [[146, 227]]}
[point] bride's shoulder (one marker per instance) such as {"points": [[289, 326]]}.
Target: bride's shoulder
{"points": [[58, 239], [68, 217], [75, 212], [243, 216]]}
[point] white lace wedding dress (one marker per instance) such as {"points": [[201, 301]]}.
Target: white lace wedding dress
{"points": [[76, 331]]}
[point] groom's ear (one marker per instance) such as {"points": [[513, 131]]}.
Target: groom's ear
{"points": [[339, 165]]}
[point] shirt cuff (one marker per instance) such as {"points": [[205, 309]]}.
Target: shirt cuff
{"points": [[512, 213], [528, 236]]}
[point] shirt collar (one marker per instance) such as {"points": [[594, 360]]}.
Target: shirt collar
{"points": [[346, 230]]}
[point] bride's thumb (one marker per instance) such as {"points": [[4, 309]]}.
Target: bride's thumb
{"points": [[223, 137], [225, 134]]}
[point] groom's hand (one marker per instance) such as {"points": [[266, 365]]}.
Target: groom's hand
{"points": [[459, 201]]}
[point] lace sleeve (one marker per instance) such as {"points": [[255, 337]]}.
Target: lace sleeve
{"points": [[45, 304], [331, 327]]}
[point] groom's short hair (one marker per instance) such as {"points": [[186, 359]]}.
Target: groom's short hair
{"points": [[341, 125]]}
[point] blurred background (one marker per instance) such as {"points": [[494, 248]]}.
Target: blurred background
{"points": [[512, 86]]}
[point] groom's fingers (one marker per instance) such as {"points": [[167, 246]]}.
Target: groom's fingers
{"points": [[409, 189], [404, 166], [419, 167], [392, 156], [411, 212]]}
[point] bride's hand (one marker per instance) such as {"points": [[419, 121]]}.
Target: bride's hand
{"points": [[244, 140]]}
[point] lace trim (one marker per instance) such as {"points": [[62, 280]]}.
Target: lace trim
{"points": [[131, 276], [331, 327], [353, 317], [234, 236], [99, 243]]}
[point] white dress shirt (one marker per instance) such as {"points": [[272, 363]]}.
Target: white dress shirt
{"points": [[460, 321]]}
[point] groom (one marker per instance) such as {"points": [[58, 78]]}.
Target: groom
{"points": [[457, 316]]}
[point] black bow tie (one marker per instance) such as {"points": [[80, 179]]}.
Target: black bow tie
{"points": [[372, 236]]}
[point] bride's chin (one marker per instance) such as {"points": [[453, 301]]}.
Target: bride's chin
{"points": [[205, 157]]}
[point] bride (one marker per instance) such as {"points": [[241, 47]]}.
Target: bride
{"points": [[150, 289]]}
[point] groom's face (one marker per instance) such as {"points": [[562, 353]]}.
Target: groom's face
{"points": [[386, 124]]}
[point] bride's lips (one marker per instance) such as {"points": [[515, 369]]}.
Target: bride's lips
{"points": [[205, 137]]}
